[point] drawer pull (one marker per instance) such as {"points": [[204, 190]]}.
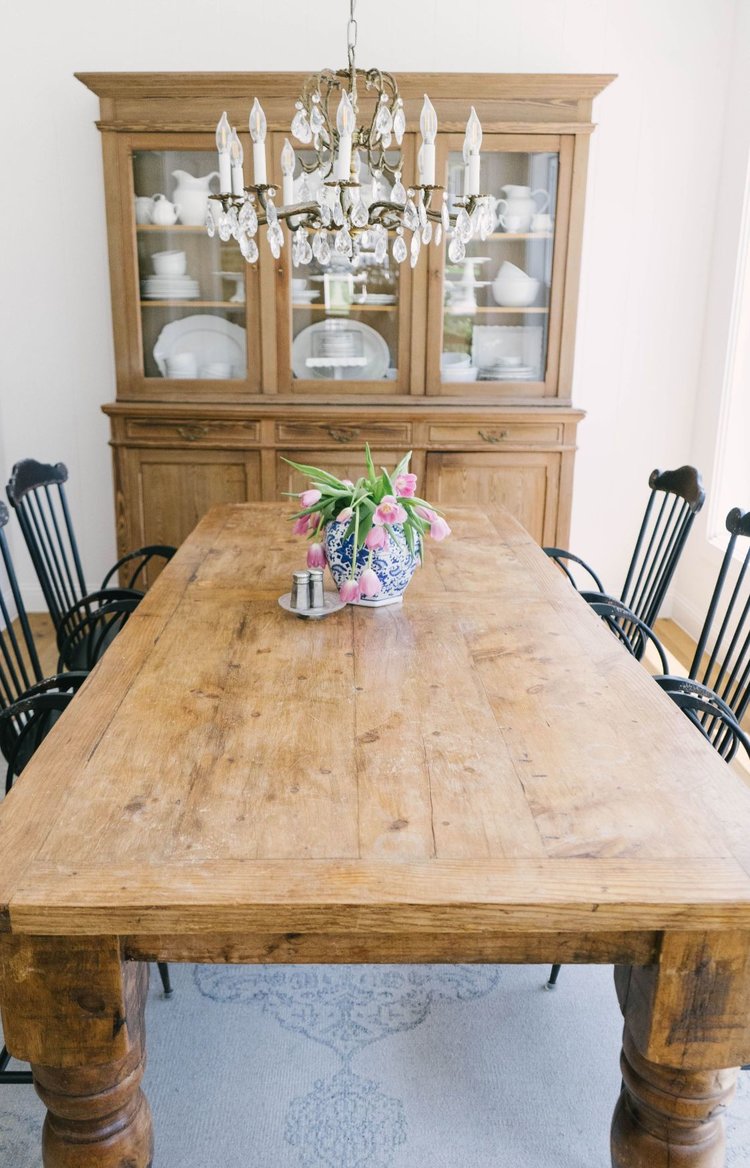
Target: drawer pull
{"points": [[343, 434], [493, 436], [192, 433]]}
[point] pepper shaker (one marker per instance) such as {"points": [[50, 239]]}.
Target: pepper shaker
{"points": [[300, 600], [317, 598]]}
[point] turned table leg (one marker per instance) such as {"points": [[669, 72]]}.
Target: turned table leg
{"points": [[687, 1031], [669, 1118], [75, 1012]]}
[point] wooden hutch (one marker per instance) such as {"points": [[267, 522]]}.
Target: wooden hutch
{"points": [[183, 443]]}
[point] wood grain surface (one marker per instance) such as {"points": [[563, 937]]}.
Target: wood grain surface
{"points": [[484, 757]]}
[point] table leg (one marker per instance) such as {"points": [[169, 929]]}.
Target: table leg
{"points": [[687, 1030], [669, 1118], [75, 1012]]}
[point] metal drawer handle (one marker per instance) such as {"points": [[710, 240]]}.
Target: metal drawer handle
{"points": [[493, 436], [192, 433], [342, 435]]}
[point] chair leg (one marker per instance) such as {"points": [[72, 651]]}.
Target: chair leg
{"points": [[12, 1076], [553, 976], [165, 979]]}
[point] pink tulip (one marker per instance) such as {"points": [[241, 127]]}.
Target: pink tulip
{"points": [[377, 537], [309, 498], [439, 529], [316, 557], [369, 584], [406, 485], [345, 515], [426, 513], [389, 510], [349, 591], [300, 526], [347, 482]]}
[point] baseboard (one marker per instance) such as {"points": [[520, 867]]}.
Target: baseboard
{"points": [[687, 616]]}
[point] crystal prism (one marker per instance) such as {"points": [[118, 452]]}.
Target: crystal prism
{"points": [[463, 225], [381, 247], [456, 250], [232, 219], [427, 233], [343, 242], [321, 248], [437, 237], [411, 217], [399, 124], [383, 119], [416, 244], [210, 224], [225, 230], [445, 217], [316, 119], [359, 215], [338, 210], [399, 249], [248, 247], [271, 216], [301, 127], [398, 193], [305, 253], [248, 219]]}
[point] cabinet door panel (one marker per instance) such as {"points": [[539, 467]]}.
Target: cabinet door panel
{"points": [[176, 489], [526, 484], [346, 464]]}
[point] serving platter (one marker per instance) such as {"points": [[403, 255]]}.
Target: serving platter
{"points": [[209, 338], [375, 350]]}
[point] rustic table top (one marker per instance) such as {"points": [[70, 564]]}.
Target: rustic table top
{"points": [[485, 756]]}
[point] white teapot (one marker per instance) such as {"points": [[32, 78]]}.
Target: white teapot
{"points": [[191, 193], [519, 206], [143, 207], [163, 212]]}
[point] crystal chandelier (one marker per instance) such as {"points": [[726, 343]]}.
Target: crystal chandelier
{"points": [[342, 216]]}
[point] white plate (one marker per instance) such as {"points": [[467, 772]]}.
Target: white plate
{"points": [[331, 603], [306, 297], [380, 298], [208, 338], [377, 357]]}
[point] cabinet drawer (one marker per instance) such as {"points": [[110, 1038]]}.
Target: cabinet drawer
{"points": [[343, 433], [495, 434], [193, 432]]}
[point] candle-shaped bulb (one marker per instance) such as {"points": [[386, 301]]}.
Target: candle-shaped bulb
{"points": [[223, 138], [257, 122], [223, 134], [473, 132], [236, 153], [288, 158], [345, 118], [428, 122]]}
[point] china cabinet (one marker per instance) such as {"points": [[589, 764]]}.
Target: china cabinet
{"points": [[223, 367]]}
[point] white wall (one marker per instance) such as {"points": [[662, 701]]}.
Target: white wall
{"points": [[700, 564], [652, 197]]}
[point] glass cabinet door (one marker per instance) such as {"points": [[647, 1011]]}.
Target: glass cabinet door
{"points": [[192, 289], [350, 317], [497, 305]]}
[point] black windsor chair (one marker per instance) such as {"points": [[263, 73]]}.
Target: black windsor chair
{"points": [[37, 493], [30, 705], [665, 527], [716, 693]]}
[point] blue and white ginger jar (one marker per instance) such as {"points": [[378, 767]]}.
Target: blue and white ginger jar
{"points": [[394, 564]]}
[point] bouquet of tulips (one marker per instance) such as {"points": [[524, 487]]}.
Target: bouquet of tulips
{"points": [[371, 508]]}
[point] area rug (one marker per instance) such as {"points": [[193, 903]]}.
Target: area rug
{"points": [[377, 1067]]}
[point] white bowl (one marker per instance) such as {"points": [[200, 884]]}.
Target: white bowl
{"points": [[169, 263], [299, 285], [454, 360], [515, 293], [460, 373]]}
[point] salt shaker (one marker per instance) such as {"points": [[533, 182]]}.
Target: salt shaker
{"points": [[300, 600], [317, 599]]}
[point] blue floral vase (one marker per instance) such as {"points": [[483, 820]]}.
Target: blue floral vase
{"points": [[393, 565]]}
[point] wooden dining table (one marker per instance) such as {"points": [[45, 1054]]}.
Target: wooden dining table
{"points": [[481, 774]]}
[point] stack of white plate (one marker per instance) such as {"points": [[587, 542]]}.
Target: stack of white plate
{"points": [[170, 288], [504, 372]]}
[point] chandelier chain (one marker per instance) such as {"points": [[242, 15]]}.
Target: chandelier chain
{"points": [[351, 41]]}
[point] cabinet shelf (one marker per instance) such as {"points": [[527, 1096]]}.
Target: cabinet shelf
{"points": [[498, 308], [179, 227], [353, 308], [226, 304]]}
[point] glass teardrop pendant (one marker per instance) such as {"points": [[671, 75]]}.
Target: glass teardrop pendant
{"points": [[248, 247], [399, 124], [248, 219], [456, 250], [210, 225], [301, 127], [399, 249], [416, 244], [463, 225], [398, 192]]}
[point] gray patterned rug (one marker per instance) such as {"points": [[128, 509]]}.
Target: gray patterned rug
{"points": [[377, 1067]]}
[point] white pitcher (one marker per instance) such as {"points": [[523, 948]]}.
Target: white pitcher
{"points": [[519, 206], [192, 194]]}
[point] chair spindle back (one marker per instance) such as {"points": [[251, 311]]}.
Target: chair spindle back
{"points": [[19, 663]]}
